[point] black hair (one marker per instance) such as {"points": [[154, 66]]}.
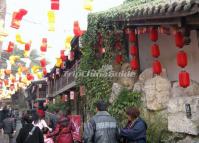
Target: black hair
{"points": [[35, 118], [45, 130], [27, 118], [101, 105]]}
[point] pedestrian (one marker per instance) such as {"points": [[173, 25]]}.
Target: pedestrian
{"points": [[9, 127], [63, 131], [47, 139], [40, 122], [102, 128], [135, 130], [29, 133]]}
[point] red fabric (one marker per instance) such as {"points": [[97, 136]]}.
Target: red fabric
{"points": [[157, 68], [133, 50], [184, 79], [182, 59], [134, 64], [154, 34], [179, 39], [155, 51]]}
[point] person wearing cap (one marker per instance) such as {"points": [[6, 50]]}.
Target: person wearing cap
{"points": [[102, 128]]}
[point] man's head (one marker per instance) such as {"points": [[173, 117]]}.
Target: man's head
{"points": [[101, 106]]}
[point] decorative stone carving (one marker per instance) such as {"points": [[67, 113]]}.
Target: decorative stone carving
{"points": [[116, 89], [177, 119], [157, 92]]}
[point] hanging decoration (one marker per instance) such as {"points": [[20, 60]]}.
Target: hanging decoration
{"points": [[43, 62], [10, 47], [13, 59], [19, 39], [17, 17], [58, 63], [43, 47], [155, 51], [72, 55], [27, 46], [35, 69], [54, 4], [76, 29], [51, 20], [29, 77], [134, 64], [68, 41], [184, 79], [118, 59], [44, 71], [88, 5]]}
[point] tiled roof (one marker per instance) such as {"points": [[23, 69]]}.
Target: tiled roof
{"points": [[152, 9]]}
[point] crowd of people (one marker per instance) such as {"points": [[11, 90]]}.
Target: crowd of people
{"points": [[101, 128]]}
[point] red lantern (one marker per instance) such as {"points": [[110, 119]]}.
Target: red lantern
{"points": [[54, 4], [184, 79], [157, 68], [10, 47], [6, 82], [154, 34], [43, 47], [43, 62], [134, 64], [76, 29], [182, 59], [44, 71], [30, 76], [118, 59], [179, 39], [133, 50], [132, 36], [155, 51], [17, 17], [72, 55], [102, 50], [27, 46]]}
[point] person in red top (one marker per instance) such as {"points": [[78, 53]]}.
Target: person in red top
{"points": [[63, 131]]}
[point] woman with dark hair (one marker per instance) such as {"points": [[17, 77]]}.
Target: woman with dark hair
{"points": [[135, 130], [40, 122]]}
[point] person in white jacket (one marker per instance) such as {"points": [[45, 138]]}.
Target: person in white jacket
{"points": [[39, 122]]}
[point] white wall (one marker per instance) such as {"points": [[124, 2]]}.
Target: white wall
{"points": [[168, 52]]}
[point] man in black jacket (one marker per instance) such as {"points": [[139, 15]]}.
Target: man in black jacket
{"points": [[102, 128], [9, 127], [27, 134]]}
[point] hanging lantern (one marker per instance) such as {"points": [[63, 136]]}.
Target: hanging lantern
{"points": [[154, 34], [132, 36], [19, 39], [17, 17], [179, 39], [10, 47], [30, 77], [43, 47], [184, 79], [27, 46], [134, 64], [62, 55], [102, 50], [54, 4], [51, 21], [118, 59], [43, 62], [88, 5], [157, 68], [6, 82], [76, 29], [59, 62], [182, 59], [44, 71], [133, 50], [155, 51]]}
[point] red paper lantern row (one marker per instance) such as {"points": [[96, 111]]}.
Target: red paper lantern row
{"points": [[30, 76], [17, 17], [154, 34], [184, 79], [132, 36], [43, 62], [155, 51], [118, 59], [182, 59], [27, 46], [54, 4], [76, 29], [179, 39], [133, 50], [134, 64], [43, 47], [10, 47], [157, 68]]}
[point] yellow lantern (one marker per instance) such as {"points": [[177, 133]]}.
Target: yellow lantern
{"points": [[35, 69], [39, 75], [88, 5], [68, 40], [26, 54], [59, 62], [51, 20], [19, 39]]}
